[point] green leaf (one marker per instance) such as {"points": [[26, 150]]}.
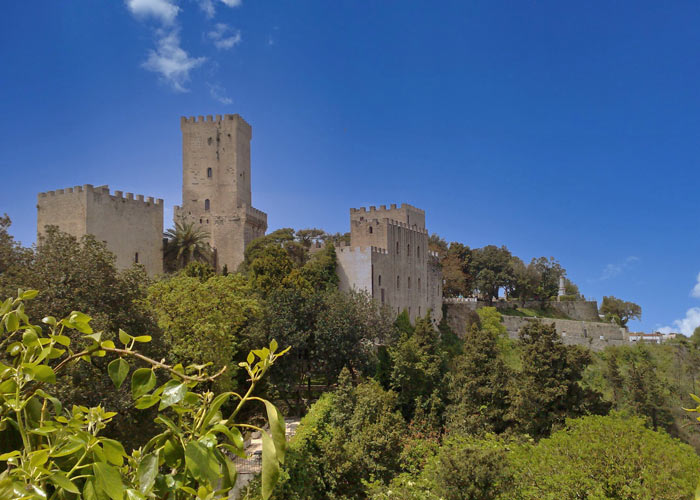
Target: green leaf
{"points": [[147, 472], [134, 495], [233, 435], [49, 320], [142, 381], [10, 454], [230, 473], [108, 480], [114, 451], [173, 392], [38, 458], [273, 345], [42, 373], [124, 337], [214, 408], [201, 463], [29, 337], [62, 481], [57, 406], [118, 369], [270, 466], [695, 398], [62, 339], [29, 294], [173, 452], [146, 401], [12, 322], [143, 338], [277, 429]]}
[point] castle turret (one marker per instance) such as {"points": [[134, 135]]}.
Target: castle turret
{"points": [[216, 189]]}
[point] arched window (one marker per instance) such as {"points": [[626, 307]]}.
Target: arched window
{"points": [[398, 281], [370, 229], [397, 248], [207, 205], [209, 172], [136, 258]]}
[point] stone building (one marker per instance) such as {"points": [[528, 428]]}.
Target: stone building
{"points": [[388, 257], [216, 194], [131, 226]]}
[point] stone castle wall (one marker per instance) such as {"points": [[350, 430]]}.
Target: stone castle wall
{"points": [[595, 335], [576, 310], [131, 226], [216, 185]]}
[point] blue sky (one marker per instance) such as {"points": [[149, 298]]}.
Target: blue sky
{"points": [[555, 128]]}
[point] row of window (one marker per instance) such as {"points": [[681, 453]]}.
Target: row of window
{"points": [[398, 282], [408, 247]]}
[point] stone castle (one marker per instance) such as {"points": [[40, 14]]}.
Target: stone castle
{"points": [[388, 255]]}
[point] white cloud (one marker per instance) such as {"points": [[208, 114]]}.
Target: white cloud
{"points": [[687, 325], [171, 61], [695, 292], [232, 3], [218, 93], [163, 10], [613, 270], [208, 7], [224, 37]]}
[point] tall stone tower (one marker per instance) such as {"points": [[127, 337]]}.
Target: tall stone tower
{"points": [[216, 185]]}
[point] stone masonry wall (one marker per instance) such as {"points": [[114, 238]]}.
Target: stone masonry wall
{"points": [[131, 226], [586, 333], [577, 310], [216, 185]]}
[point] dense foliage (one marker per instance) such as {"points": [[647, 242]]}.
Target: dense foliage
{"points": [[49, 451], [483, 271]]}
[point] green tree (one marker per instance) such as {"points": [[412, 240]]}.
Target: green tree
{"points": [[348, 327], [546, 391], [492, 267], [417, 369], [620, 311], [80, 275], [613, 457], [348, 438], [204, 320], [13, 259], [186, 243], [477, 387]]}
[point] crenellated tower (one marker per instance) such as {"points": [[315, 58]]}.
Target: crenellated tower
{"points": [[216, 189]]}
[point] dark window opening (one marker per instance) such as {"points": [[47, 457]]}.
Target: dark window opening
{"points": [[398, 282], [207, 205], [409, 282], [370, 229], [136, 258], [397, 248], [418, 252], [209, 172], [379, 281], [408, 249]]}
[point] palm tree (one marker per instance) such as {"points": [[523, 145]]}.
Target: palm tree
{"points": [[186, 243]]}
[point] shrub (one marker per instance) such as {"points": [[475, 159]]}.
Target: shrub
{"points": [[52, 452]]}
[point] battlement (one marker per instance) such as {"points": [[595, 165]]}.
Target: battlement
{"points": [[382, 208], [209, 118], [118, 195], [389, 222]]}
